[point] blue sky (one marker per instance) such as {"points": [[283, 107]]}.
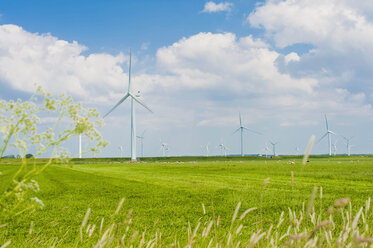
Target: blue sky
{"points": [[283, 64]]}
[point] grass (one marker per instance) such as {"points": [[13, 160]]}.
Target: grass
{"points": [[168, 195]]}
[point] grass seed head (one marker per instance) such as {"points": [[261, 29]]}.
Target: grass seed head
{"points": [[342, 202]]}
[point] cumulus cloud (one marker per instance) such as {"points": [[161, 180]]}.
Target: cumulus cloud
{"points": [[212, 7], [340, 32], [202, 80], [57, 65]]}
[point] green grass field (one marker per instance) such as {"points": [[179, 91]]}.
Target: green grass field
{"points": [[167, 195]]}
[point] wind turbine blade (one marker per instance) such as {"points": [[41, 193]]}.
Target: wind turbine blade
{"points": [[238, 129], [129, 73], [253, 131], [140, 102], [326, 123], [240, 119], [116, 105], [322, 137], [332, 132]]}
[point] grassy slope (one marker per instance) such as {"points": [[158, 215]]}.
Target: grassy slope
{"points": [[168, 195]]}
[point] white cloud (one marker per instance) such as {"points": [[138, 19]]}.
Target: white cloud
{"points": [[212, 7], [201, 81], [57, 65], [340, 32]]}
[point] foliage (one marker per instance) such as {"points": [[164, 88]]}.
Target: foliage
{"points": [[22, 128]]}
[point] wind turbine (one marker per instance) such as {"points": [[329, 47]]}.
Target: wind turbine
{"points": [[141, 137], [328, 133], [265, 150], [335, 147], [274, 147], [348, 146], [297, 150], [223, 149], [206, 148], [242, 128], [133, 123], [121, 151], [164, 148]]}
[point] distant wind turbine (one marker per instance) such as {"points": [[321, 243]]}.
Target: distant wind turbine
{"points": [[164, 148], [266, 150], [133, 123], [274, 147], [242, 128], [206, 148], [297, 150], [121, 151], [335, 147], [348, 146], [141, 137], [328, 133], [223, 149]]}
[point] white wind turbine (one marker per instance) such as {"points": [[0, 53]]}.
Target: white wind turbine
{"points": [[164, 148], [297, 149], [328, 133], [223, 149], [274, 147], [348, 146], [141, 137], [121, 151], [206, 148], [133, 123], [242, 128], [266, 150], [335, 147]]}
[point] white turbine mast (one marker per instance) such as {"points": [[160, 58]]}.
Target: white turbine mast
{"points": [[328, 133], [206, 149], [141, 137], [223, 149], [121, 151], [164, 148], [348, 145], [335, 147], [133, 123], [273, 147], [297, 149], [242, 128], [266, 150]]}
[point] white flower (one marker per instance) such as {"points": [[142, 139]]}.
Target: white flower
{"points": [[38, 201]]}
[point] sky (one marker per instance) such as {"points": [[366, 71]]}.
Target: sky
{"points": [[282, 64]]}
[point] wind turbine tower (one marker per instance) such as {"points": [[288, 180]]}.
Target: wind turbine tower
{"points": [[121, 151], [328, 133], [223, 149], [242, 128], [348, 146], [335, 147], [164, 148], [206, 148], [141, 137], [297, 150], [133, 123], [274, 147]]}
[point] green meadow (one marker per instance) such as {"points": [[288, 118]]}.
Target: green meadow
{"points": [[166, 196]]}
